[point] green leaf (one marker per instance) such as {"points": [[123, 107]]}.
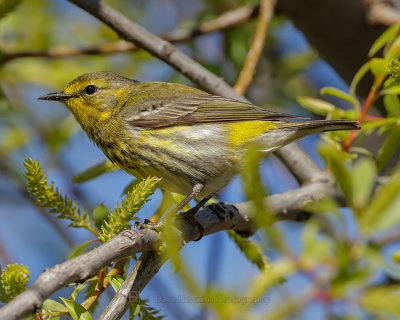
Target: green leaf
{"points": [[14, 139], [95, 171], [383, 39], [121, 216], [47, 196], [52, 305], [100, 215], [13, 281], [250, 250], [316, 247], [380, 124], [391, 90], [297, 62], [145, 312], [134, 310], [342, 175], [363, 178], [379, 66], [80, 249], [394, 51], [362, 151], [259, 285], [389, 147], [345, 114], [172, 243], [315, 105], [390, 216], [381, 200], [59, 133], [392, 105], [78, 288], [339, 94], [324, 205], [76, 311], [7, 6], [237, 46], [396, 256], [116, 282], [254, 188], [178, 198], [382, 301], [358, 76]]}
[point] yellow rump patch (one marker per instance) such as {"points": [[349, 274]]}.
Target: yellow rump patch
{"points": [[243, 132]]}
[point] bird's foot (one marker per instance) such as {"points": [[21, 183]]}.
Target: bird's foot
{"points": [[189, 216], [147, 224], [224, 214], [221, 211]]}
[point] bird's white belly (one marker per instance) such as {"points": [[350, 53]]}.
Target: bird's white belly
{"points": [[200, 155]]}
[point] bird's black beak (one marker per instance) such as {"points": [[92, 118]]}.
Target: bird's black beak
{"points": [[57, 96]]}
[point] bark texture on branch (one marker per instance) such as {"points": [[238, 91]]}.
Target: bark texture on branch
{"points": [[225, 21], [287, 206]]}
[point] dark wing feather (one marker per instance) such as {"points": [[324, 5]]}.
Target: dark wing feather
{"points": [[158, 104]]}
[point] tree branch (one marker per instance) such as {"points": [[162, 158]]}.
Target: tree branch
{"points": [[225, 21], [250, 64], [302, 167], [144, 270], [287, 206]]}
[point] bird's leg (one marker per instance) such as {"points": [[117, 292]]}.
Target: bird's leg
{"points": [[197, 188], [189, 215], [198, 206]]}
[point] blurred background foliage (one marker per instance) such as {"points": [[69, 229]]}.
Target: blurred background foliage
{"points": [[340, 264]]}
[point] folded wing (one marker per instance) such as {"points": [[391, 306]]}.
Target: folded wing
{"points": [[168, 104]]}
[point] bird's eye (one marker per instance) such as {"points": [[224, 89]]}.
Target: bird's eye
{"points": [[90, 89]]}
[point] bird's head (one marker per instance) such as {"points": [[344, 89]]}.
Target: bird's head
{"points": [[94, 96]]}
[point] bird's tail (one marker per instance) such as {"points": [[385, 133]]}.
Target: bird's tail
{"points": [[288, 132], [315, 126]]}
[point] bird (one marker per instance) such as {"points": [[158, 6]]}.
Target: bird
{"points": [[194, 141]]}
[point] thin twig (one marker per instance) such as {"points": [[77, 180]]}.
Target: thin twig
{"points": [[225, 21], [144, 270], [76, 270], [253, 56], [98, 290], [372, 95], [103, 281]]}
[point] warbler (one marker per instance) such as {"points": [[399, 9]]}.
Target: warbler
{"points": [[193, 140]]}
